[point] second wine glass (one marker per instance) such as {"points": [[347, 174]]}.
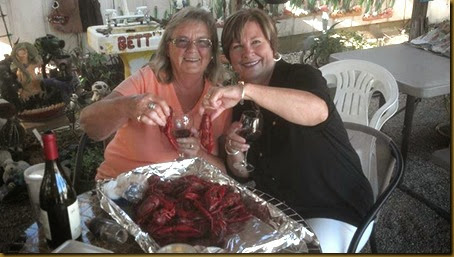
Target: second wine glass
{"points": [[251, 129]]}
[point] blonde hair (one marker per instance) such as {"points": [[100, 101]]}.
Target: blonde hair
{"points": [[160, 63]]}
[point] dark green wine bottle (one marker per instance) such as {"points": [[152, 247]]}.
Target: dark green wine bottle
{"points": [[60, 215]]}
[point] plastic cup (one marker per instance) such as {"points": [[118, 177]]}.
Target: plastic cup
{"points": [[33, 176]]}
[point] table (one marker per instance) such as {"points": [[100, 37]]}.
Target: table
{"points": [[89, 208], [419, 74]]}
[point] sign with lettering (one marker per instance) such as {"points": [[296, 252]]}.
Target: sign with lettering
{"points": [[135, 41]]}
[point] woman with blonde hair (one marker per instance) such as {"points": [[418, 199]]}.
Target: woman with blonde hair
{"points": [[185, 67]]}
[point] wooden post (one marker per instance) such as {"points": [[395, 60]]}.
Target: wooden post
{"points": [[419, 21]]}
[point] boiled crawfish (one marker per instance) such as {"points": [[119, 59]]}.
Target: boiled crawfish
{"points": [[167, 130], [206, 133], [191, 210]]}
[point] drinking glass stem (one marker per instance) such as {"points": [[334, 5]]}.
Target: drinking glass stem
{"points": [[245, 158]]}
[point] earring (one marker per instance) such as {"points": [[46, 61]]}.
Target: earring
{"points": [[277, 57]]}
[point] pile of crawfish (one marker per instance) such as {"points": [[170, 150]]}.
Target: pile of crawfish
{"points": [[190, 210]]}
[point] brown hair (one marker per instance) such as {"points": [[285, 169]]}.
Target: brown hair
{"points": [[234, 25], [160, 63]]}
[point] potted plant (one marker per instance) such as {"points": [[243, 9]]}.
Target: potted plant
{"points": [[92, 67], [332, 42], [86, 160]]}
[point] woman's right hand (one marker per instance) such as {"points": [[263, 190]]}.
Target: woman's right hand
{"points": [[104, 117], [150, 109], [233, 141]]}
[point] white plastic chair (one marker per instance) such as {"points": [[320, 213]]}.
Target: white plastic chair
{"points": [[356, 81]]}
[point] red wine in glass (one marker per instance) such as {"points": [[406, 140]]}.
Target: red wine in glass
{"points": [[251, 129], [181, 133], [182, 124], [249, 134]]}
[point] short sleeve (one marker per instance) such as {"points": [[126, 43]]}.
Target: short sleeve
{"points": [[137, 82], [302, 77]]}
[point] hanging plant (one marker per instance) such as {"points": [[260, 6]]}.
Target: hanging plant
{"points": [[296, 3], [311, 6], [346, 8], [367, 4], [374, 9], [276, 1]]}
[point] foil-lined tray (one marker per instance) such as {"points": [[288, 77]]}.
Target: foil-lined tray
{"points": [[271, 230]]}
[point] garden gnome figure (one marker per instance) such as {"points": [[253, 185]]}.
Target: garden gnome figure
{"points": [[25, 60]]}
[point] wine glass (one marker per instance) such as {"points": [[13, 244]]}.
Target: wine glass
{"points": [[251, 129], [182, 124]]}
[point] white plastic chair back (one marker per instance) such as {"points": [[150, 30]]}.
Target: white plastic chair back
{"points": [[356, 81]]}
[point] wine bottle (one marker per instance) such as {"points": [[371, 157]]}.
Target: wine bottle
{"points": [[60, 215]]}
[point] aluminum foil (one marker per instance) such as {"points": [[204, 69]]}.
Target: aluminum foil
{"points": [[269, 231]]}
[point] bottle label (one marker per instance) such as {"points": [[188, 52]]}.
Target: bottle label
{"points": [[45, 222], [74, 219]]}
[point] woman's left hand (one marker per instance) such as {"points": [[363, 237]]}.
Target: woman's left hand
{"points": [[190, 146]]}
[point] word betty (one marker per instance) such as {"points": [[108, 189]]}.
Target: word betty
{"points": [[133, 41]]}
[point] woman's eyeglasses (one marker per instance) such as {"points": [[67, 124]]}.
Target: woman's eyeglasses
{"points": [[184, 43]]}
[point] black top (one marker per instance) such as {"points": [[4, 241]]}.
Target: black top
{"points": [[313, 169]]}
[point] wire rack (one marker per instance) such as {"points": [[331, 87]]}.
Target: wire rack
{"points": [[313, 246]]}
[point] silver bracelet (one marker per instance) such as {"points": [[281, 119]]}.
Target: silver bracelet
{"points": [[229, 152], [241, 84]]}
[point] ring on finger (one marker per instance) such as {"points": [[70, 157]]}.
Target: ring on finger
{"points": [[230, 142], [191, 146], [151, 105], [139, 118]]}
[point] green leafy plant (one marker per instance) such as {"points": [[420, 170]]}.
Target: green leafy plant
{"points": [[330, 42], [93, 155], [372, 6], [92, 67], [311, 5], [346, 5], [218, 10], [296, 3]]}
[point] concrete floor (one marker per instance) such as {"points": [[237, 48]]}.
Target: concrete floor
{"points": [[417, 218]]}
